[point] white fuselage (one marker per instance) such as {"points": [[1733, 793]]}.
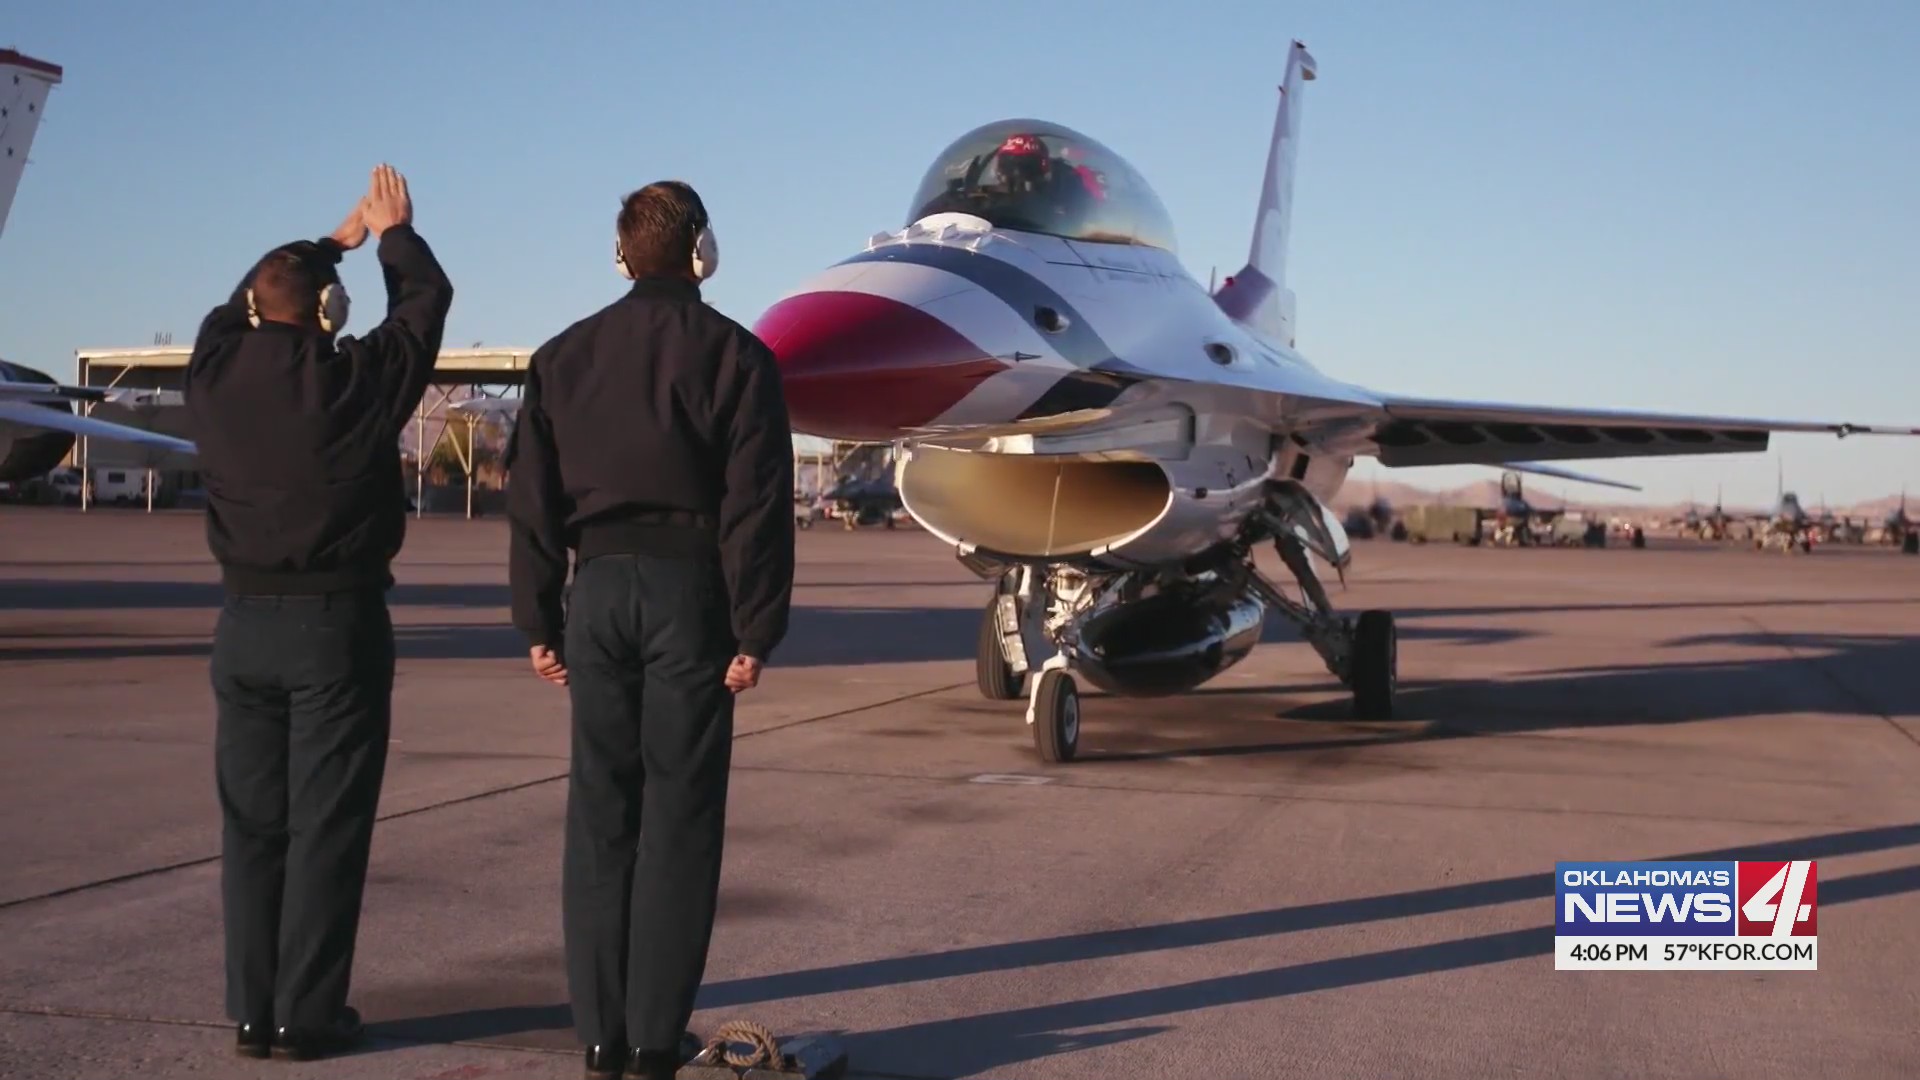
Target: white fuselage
{"points": [[1131, 361]]}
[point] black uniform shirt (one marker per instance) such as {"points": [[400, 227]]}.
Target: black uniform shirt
{"points": [[298, 433], [658, 425]]}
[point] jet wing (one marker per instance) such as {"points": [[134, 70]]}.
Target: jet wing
{"points": [[1427, 431], [17, 413], [50, 393], [59, 394], [1538, 469]]}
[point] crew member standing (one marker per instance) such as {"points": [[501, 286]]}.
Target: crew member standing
{"points": [[652, 440], [298, 437]]}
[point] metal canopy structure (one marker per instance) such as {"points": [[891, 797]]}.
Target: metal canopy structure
{"points": [[458, 375]]}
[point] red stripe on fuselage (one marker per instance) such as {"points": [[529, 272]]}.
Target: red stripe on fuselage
{"points": [[863, 367]]}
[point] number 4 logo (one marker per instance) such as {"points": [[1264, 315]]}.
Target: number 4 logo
{"points": [[1778, 901]]}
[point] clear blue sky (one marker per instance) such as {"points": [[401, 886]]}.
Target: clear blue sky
{"points": [[1706, 206]]}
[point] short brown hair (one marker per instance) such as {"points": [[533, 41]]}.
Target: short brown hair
{"points": [[657, 224], [286, 289]]}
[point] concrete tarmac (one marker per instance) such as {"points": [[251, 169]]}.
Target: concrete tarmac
{"points": [[1239, 883]]}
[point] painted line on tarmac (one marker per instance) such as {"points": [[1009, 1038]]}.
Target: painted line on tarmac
{"points": [[205, 859], [89, 1014], [1860, 701], [851, 711], [185, 864]]}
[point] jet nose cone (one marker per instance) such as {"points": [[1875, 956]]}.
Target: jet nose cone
{"points": [[862, 367]]}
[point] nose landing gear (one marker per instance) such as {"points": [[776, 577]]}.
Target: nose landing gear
{"points": [[1055, 717]]}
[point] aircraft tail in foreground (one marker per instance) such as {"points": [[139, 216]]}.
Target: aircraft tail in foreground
{"points": [[24, 83]]}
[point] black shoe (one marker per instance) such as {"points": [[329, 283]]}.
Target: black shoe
{"points": [[252, 1040], [662, 1064], [642, 1065], [605, 1061], [306, 1044]]}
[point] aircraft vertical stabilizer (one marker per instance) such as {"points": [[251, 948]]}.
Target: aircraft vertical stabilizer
{"points": [[1257, 296], [24, 83]]}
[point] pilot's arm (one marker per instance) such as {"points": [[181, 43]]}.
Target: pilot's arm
{"points": [[537, 509], [406, 344], [756, 510]]}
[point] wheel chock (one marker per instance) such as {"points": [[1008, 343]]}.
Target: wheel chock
{"points": [[814, 1056]]}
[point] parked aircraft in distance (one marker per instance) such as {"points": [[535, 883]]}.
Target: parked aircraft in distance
{"points": [[1898, 528]]}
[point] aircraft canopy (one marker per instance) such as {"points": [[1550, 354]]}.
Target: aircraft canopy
{"points": [[1033, 176]]}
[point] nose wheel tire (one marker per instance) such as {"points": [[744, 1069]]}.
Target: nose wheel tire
{"points": [[1056, 718], [991, 670], [1375, 666]]}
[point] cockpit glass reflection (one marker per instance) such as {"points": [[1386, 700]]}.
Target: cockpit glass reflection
{"points": [[1032, 176]]}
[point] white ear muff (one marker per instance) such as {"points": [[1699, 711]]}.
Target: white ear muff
{"points": [[706, 253], [253, 313], [620, 260], [333, 308]]}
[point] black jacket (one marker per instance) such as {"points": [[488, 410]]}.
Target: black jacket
{"points": [[299, 434], [656, 425]]}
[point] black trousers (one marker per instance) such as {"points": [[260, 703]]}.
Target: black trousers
{"points": [[648, 641], [304, 688]]}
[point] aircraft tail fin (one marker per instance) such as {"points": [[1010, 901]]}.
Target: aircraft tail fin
{"points": [[24, 83], [1258, 296]]}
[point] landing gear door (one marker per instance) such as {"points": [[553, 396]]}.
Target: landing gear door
{"points": [[1311, 522], [1329, 541]]}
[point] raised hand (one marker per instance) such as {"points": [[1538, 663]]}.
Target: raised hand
{"points": [[388, 203], [353, 231]]}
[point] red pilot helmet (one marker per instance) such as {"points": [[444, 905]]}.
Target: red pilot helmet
{"points": [[1022, 157]]}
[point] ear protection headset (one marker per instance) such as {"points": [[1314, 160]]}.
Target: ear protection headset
{"points": [[706, 248], [332, 312]]}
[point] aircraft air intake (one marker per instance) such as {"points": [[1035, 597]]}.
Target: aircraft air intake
{"points": [[1026, 506]]}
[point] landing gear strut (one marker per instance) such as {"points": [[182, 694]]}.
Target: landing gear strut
{"points": [[1363, 654], [1001, 667]]}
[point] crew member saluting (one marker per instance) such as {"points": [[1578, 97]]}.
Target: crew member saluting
{"points": [[298, 438], [653, 440]]}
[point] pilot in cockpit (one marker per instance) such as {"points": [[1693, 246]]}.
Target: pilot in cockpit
{"points": [[1052, 192], [1022, 164]]}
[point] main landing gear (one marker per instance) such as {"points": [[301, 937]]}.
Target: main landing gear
{"points": [[1363, 653], [1055, 602]]}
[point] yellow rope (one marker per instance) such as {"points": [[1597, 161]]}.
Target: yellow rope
{"points": [[765, 1050]]}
